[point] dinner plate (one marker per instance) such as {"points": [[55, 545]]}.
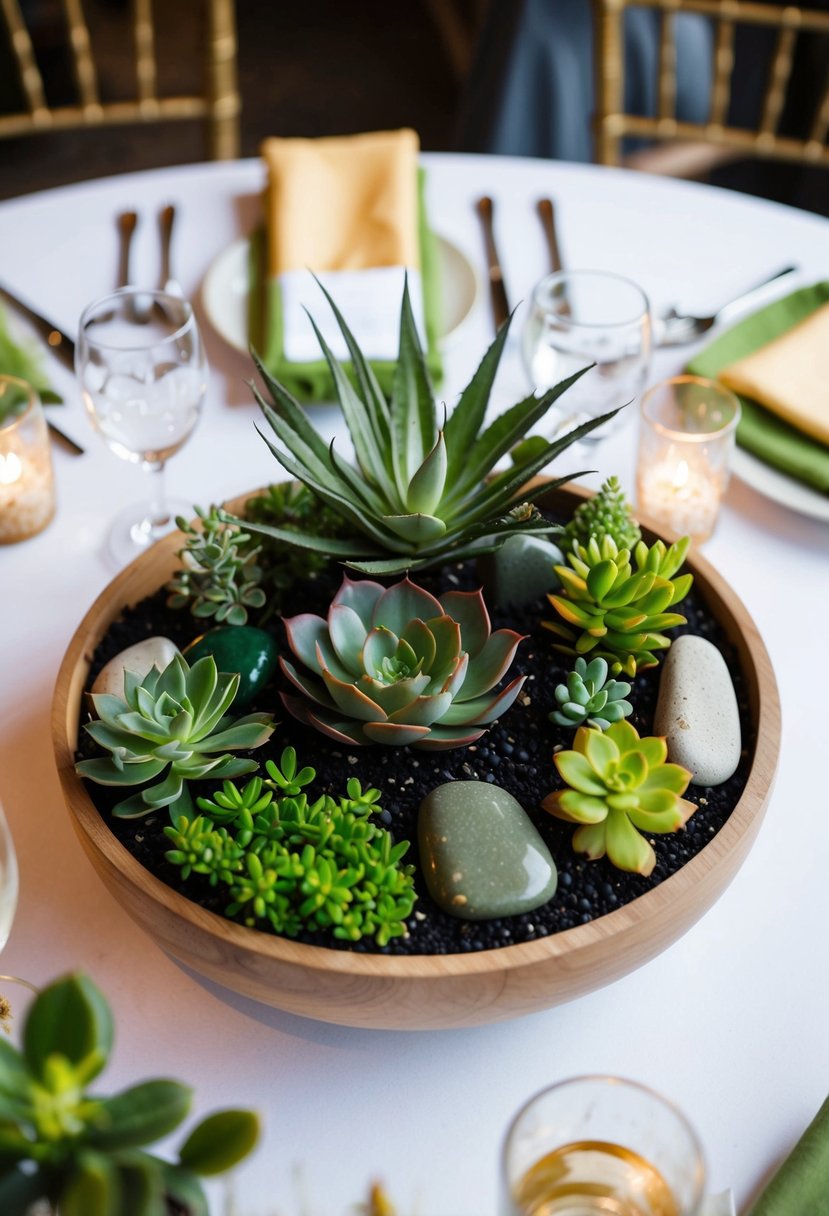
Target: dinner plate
{"points": [[225, 292], [777, 486]]}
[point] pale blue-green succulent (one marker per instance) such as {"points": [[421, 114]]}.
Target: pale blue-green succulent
{"points": [[590, 698]]}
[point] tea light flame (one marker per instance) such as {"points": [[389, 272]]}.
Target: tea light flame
{"points": [[680, 477], [11, 468]]}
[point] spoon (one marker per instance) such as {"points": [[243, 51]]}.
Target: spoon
{"points": [[676, 329], [127, 224]]}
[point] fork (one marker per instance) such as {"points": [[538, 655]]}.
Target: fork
{"points": [[676, 329]]}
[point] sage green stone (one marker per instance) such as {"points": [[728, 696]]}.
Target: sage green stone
{"points": [[480, 853], [520, 571], [251, 652]]}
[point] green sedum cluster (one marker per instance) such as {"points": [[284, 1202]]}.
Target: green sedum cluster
{"points": [[619, 786], [219, 576], [590, 698], [85, 1154], [614, 611], [290, 864], [607, 513]]}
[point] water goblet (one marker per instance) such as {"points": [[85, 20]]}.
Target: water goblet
{"points": [[581, 317], [143, 375]]}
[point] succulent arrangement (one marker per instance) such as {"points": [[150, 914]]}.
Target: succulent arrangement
{"points": [[219, 576], [607, 513], [86, 1154], [589, 698]]}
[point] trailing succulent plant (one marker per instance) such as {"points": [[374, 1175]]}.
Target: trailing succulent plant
{"points": [[607, 513], [398, 666], [220, 576], [419, 493], [619, 786], [174, 723], [590, 698], [614, 612], [290, 863], [85, 1154]]}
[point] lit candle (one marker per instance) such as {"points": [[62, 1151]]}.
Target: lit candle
{"points": [[681, 495], [27, 495]]}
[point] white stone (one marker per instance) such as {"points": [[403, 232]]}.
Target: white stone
{"points": [[697, 711], [152, 652]]}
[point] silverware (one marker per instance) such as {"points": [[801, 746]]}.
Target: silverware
{"points": [[497, 291], [166, 219], [547, 215], [675, 329], [64, 440], [59, 343], [127, 222]]}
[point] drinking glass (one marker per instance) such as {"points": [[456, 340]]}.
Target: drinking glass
{"points": [[581, 317], [600, 1146], [8, 880], [142, 371]]}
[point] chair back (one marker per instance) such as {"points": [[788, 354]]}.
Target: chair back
{"points": [[718, 138], [217, 105]]}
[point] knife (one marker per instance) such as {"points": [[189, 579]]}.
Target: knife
{"points": [[59, 343], [547, 215], [497, 291]]}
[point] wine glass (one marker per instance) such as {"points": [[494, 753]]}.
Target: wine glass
{"points": [[143, 374], [581, 317]]}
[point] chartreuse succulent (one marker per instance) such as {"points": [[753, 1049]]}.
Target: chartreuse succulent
{"points": [[288, 863], [615, 612], [618, 787], [173, 724], [607, 513], [398, 666], [590, 698], [85, 1154], [419, 494]]}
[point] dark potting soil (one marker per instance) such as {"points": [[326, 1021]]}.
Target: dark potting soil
{"points": [[516, 753]]}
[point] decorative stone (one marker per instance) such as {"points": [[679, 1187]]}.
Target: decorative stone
{"points": [[480, 854], [697, 711], [251, 652], [152, 652], [520, 571]]}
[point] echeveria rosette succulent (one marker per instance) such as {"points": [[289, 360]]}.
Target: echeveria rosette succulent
{"points": [[619, 786], [398, 666], [617, 613], [590, 698], [423, 490], [175, 723]]}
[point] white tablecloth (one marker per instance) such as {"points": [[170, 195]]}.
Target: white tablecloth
{"points": [[730, 1022]]}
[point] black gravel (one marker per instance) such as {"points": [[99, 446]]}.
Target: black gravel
{"points": [[516, 753]]}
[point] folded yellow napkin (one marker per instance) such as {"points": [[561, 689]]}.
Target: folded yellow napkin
{"points": [[351, 210]]}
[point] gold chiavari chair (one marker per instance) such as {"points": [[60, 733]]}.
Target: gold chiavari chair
{"points": [[217, 105], [687, 149]]}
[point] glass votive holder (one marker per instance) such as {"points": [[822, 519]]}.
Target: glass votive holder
{"points": [[600, 1145], [27, 487], [686, 436]]}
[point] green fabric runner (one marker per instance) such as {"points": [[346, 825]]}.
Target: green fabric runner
{"points": [[313, 381], [801, 1185], [760, 431]]}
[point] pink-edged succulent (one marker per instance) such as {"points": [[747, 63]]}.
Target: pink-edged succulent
{"points": [[399, 666]]}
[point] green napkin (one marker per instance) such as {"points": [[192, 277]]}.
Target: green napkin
{"points": [[313, 381], [801, 1185], [760, 431], [23, 361]]}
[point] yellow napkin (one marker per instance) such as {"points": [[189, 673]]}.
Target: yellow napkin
{"points": [[373, 180], [790, 375]]}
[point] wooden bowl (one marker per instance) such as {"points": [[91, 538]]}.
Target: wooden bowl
{"points": [[417, 992]]}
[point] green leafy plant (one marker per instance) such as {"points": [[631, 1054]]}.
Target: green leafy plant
{"points": [[220, 575], [619, 614], [289, 863], [590, 698], [398, 666], [22, 360], [85, 1154], [619, 786], [607, 513], [290, 506], [419, 494], [173, 723]]}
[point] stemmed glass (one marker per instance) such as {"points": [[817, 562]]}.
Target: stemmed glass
{"points": [[581, 317], [142, 371]]}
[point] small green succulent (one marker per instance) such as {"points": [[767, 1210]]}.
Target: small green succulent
{"points": [[619, 785], [398, 666], [173, 723], [423, 490], [220, 575], [619, 614], [288, 863], [607, 513], [590, 698], [85, 1154], [292, 507]]}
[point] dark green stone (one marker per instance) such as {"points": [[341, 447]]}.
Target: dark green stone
{"points": [[480, 853], [251, 652]]}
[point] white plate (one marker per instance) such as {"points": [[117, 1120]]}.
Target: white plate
{"points": [[777, 486], [225, 292]]}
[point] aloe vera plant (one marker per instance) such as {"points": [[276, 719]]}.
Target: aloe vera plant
{"points": [[423, 490]]}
